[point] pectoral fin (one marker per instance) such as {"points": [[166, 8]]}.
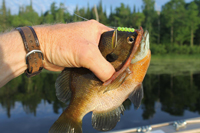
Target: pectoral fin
{"points": [[136, 96], [62, 85], [117, 82], [107, 120]]}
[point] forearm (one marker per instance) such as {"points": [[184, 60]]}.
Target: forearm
{"points": [[12, 56], [63, 45], [12, 53]]}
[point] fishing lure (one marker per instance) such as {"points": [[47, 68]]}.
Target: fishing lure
{"points": [[125, 29]]}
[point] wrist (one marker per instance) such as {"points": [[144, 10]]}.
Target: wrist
{"points": [[48, 40], [42, 33], [12, 57]]}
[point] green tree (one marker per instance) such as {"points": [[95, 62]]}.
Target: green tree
{"points": [[67, 17], [111, 19], [150, 15], [101, 13], [60, 13], [26, 16], [174, 14], [48, 17], [134, 9], [88, 14], [53, 10], [3, 17], [197, 33], [193, 20], [169, 16], [122, 16], [76, 18], [181, 27], [137, 19]]}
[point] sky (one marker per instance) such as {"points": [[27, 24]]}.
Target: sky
{"points": [[44, 5]]}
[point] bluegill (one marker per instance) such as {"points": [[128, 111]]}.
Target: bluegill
{"points": [[128, 52]]}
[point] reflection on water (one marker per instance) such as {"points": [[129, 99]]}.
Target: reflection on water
{"points": [[30, 92], [30, 105]]}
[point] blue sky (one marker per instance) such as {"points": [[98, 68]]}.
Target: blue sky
{"points": [[44, 5]]}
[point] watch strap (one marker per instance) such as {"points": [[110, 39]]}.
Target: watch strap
{"points": [[34, 55]]}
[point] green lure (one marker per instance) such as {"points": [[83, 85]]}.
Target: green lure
{"points": [[125, 29]]}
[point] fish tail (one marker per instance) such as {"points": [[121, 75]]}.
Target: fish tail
{"points": [[66, 124]]}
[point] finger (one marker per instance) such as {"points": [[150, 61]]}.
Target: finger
{"points": [[105, 28], [102, 27], [93, 60]]}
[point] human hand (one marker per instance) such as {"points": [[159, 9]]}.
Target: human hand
{"points": [[74, 45]]}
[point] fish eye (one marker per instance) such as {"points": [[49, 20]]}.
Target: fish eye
{"points": [[111, 57], [130, 39]]}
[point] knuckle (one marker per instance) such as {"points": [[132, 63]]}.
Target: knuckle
{"points": [[93, 21]]}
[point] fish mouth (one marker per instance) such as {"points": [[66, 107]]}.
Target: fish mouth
{"points": [[139, 51], [142, 49]]}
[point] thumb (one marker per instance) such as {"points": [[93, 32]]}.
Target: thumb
{"points": [[94, 61]]}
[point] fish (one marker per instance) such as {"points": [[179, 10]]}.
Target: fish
{"points": [[129, 53]]}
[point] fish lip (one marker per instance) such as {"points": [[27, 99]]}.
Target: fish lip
{"points": [[143, 48], [140, 33], [147, 43]]}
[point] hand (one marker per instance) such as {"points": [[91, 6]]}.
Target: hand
{"points": [[74, 45], [63, 45]]}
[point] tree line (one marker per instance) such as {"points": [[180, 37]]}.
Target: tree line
{"points": [[177, 24]]}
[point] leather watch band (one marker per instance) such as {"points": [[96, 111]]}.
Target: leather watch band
{"points": [[34, 56]]}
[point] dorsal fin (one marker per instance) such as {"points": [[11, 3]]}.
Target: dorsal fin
{"points": [[62, 85], [137, 95], [107, 120]]}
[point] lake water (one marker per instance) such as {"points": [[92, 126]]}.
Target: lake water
{"points": [[30, 105]]}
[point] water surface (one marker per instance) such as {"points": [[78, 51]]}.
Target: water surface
{"points": [[171, 92]]}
